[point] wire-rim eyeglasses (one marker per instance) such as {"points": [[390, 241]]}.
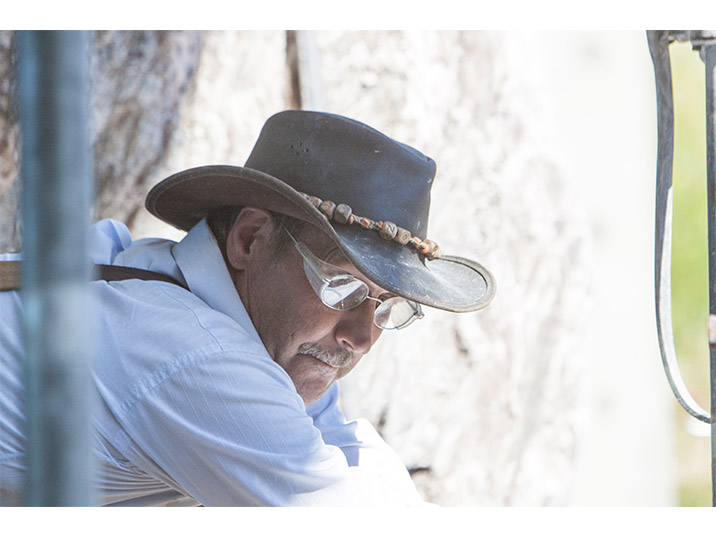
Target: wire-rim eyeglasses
{"points": [[340, 291]]}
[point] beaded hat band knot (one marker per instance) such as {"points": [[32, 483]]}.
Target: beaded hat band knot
{"points": [[343, 214]]}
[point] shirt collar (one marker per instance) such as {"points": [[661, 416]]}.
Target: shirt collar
{"points": [[199, 258]]}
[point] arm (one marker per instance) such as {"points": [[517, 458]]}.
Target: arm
{"points": [[364, 449], [226, 442]]}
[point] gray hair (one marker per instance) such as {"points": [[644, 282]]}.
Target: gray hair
{"points": [[222, 220]]}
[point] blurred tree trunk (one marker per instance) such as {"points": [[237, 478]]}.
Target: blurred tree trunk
{"points": [[139, 82], [9, 134]]}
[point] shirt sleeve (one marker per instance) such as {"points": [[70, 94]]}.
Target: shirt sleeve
{"points": [[363, 447], [227, 442]]}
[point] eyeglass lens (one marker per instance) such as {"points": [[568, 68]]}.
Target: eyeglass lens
{"points": [[396, 312], [343, 292]]}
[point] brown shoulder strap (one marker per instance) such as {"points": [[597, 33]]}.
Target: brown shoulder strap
{"points": [[113, 273], [10, 275]]}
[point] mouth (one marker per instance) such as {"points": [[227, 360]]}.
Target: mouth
{"points": [[333, 360], [319, 360], [331, 366]]}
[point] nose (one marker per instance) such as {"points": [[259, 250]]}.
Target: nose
{"points": [[356, 330]]}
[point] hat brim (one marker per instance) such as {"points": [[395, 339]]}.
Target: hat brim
{"points": [[450, 283]]}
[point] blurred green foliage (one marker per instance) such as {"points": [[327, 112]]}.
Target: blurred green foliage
{"points": [[690, 265]]}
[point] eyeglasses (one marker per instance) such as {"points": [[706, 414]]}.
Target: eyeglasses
{"points": [[341, 291]]}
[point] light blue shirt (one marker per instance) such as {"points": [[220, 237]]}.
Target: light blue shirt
{"points": [[191, 408]]}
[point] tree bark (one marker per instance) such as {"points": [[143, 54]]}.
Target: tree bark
{"points": [[140, 80], [9, 150]]}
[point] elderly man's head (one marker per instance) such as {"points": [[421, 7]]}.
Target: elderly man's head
{"points": [[316, 290], [315, 344]]}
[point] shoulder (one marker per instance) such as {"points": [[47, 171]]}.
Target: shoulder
{"points": [[152, 330], [170, 314]]}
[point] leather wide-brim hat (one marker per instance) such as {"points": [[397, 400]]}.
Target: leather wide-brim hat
{"points": [[369, 193]]}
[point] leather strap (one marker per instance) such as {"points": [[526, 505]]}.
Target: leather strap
{"points": [[9, 275], [113, 273], [10, 272]]}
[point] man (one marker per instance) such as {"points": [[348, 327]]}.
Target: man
{"points": [[217, 384]]}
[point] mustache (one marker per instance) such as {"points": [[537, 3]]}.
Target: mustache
{"points": [[338, 358]]}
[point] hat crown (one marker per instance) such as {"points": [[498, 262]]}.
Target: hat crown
{"points": [[338, 159]]}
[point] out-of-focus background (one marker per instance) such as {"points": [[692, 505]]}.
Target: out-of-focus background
{"points": [[546, 152]]}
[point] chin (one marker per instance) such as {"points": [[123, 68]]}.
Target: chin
{"points": [[309, 399], [311, 378], [311, 394], [311, 390]]}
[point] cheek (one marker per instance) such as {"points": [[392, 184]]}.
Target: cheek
{"points": [[300, 319], [313, 323]]}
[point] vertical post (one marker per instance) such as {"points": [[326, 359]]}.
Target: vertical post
{"points": [[309, 70], [708, 55], [53, 82]]}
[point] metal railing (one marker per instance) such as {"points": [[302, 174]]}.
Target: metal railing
{"points": [[705, 43]]}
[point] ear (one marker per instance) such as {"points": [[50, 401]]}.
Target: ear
{"points": [[252, 227]]}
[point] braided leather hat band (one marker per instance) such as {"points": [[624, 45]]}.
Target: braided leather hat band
{"points": [[343, 214]]}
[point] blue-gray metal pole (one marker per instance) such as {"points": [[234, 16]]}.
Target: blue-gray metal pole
{"points": [[55, 170]]}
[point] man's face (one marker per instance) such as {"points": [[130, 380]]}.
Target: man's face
{"points": [[313, 343]]}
